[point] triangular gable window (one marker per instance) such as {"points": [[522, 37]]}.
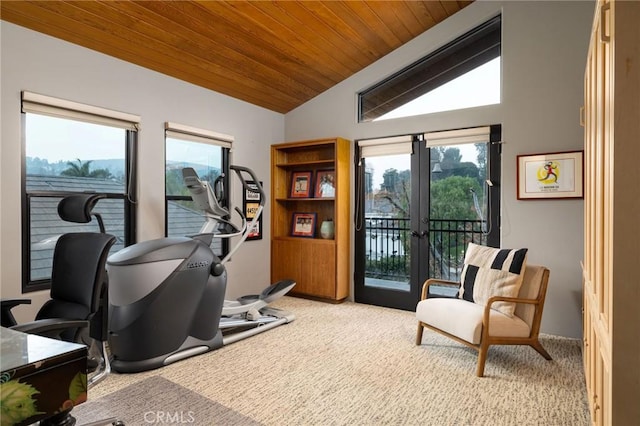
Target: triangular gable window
{"points": [[462, 74]]}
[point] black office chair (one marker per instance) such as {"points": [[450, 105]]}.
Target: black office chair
{"points": [[77, 310]]}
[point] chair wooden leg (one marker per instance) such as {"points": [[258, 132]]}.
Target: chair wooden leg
{"points": [[482, 358], [538, 347], [419, 334]]}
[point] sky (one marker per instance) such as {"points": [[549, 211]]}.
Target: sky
{"points": [[480, 86], [55, 139]]}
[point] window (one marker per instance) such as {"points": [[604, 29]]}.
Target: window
{"points": [[208, 154], [462, 74], [69, 148]]}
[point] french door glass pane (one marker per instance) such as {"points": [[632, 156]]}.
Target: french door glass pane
{"points": [[387, 194], [457, 206]]}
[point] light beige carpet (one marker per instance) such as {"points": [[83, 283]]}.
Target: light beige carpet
{"points": [[156, 400], [352, 364]]}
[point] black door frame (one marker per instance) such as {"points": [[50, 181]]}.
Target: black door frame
{"points": [[420, 161]]}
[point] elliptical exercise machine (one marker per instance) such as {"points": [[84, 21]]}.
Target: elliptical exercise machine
{"points": [[166, 296]]}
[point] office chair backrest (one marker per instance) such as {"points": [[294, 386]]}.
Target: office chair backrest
{"points": [[78, 208], [78, 275]]}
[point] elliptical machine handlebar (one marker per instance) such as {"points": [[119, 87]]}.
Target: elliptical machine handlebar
{"points": [[239, 170], [248, 227], [217, 216]]}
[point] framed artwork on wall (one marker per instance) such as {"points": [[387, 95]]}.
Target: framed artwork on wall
{"points": [[251, 204], [554, 175]]}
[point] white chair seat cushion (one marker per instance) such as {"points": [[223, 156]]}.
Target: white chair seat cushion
{"points": [[464, 319]]}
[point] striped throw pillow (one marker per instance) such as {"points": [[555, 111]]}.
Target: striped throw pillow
{"points": [[491, 272]]}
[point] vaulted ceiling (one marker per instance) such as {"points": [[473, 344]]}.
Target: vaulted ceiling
{"points": [[275, 54]]}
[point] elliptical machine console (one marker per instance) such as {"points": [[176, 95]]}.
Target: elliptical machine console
{"points": [[166, 296]]}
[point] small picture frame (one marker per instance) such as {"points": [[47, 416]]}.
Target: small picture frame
{"points": [[303, 225], [251, 204], [301, 185], [325, 184], [556, 175]]}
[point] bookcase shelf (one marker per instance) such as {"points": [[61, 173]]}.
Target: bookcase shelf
{"points": [[319, 266]]}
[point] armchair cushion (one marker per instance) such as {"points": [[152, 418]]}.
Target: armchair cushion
{"points": [[464, 320], [488, 272]]}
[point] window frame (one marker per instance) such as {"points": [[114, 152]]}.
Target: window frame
{"points": [[454, 59], [194, 135], [129, 197]]}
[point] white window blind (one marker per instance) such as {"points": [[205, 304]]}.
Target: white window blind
{"points": [[460, 136], [193, 134], [386, 146], [62, 108]]}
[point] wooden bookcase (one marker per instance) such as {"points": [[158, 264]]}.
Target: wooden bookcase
{"points": [[319, 266], [611, 204]]}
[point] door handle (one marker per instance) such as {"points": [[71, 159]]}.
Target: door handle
{"points": [[419, 234]]}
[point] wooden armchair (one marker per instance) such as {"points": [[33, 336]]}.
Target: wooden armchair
{"points": [[479, 326]]}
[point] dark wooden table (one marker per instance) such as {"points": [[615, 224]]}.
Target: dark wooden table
{"points": [[42, 379]]}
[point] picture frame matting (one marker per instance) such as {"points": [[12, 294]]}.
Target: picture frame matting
{"points": [[557, 175]]}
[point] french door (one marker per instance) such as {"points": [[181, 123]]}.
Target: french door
{"points": [[420, 199]]}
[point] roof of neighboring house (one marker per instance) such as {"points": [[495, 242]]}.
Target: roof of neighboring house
{"points": [[73, 184], [46, 225]]}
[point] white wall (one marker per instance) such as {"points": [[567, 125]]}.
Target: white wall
{"points": [[544, 47], [42, 64]]}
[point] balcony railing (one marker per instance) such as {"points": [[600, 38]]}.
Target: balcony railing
{"points": [[387, 243]]}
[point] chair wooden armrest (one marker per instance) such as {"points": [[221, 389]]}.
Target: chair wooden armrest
{"points": [[494, 299], [431, 281], [512, 300]]}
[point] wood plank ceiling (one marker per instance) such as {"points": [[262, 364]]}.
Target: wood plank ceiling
{"points": [[274, 54]]}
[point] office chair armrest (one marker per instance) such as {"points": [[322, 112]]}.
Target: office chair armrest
{"points": [[8, 320], [50, 327], [436, 281]]}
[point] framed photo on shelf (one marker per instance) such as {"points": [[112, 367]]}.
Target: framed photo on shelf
{"points": [[554, 175], [303, 225], [301, 185], [325, 184]]}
